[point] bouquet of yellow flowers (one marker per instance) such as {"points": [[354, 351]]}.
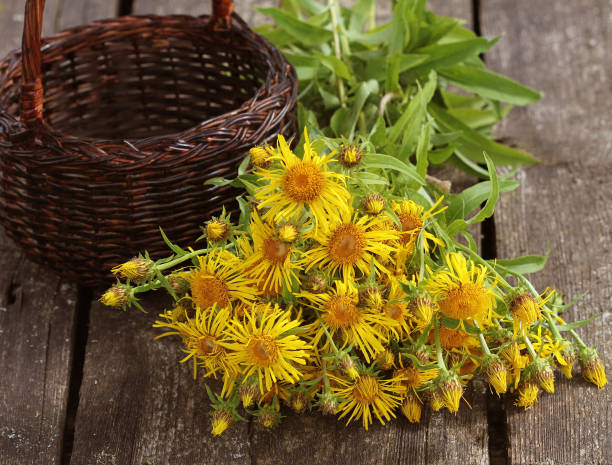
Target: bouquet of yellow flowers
{"points": [[342, 288]]}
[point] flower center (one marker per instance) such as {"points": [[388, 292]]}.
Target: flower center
{"points": [[366, 389], [208, 346], [395, 311], [209, 290], [347, 244], [341, 312], [411, 226], [468, 300], [275, 251], [263, 350], [303, 182]]}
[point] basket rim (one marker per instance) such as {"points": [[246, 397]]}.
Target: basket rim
{"points": [[146, 145]]}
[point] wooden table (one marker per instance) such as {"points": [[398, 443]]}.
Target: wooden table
{"points": [[80, 384]]}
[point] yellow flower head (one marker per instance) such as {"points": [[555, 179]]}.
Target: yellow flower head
{"points": [[137, 269], [248, 394], [451, 392], [526, 309], [456, 339], [218, 280], [261, 156], [221, 420], [462, 290], [422, 310], [217, 230], [269, 260], [365, 396], [373, 204], [265, 346], [412, 377], [396, 308], [350, 243], [351, 156], [592, 367], [411, 408], [288, 232], [497, 376], [341, 314], [300, 183], [527, 394], [512, 354], [116, 297]]}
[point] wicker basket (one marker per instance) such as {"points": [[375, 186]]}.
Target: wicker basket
{"points": [[138, 112]]}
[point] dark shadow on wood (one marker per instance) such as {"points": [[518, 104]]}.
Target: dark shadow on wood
{"points": [[83, 309], [125, 7]]}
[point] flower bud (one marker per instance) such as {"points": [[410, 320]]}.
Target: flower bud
{"points": [[351, 156], [217, 230], [260, 157], [411, 408], [137, 269], [385, 359], [569, 355], [370, 297], [527, 394], [451, 392], [545, 377], [347, 365], [268, 417], [116, 297], [524, 308], [221, 420], [179, 285], [435, 401], [299, 401], [497, 376], [288, 233], [373, 204], [592, 367], [422, 309], [316, 283], [328, 404], [183, 310], [248, 393]]}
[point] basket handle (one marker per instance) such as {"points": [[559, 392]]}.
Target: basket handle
{"points": [[31, 89]]}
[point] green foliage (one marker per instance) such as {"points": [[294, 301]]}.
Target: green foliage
{"points": [[390, 82]]}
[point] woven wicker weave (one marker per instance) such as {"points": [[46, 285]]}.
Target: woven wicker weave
{"points": [[138, 113]]}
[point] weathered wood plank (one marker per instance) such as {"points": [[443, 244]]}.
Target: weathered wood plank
{"points": [[561, 49], [37, 323], [138, 405]]}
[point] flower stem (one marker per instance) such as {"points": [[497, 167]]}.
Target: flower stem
{"points": [[441, 363], [530, 348], [483, 342], [553, 327], [579, 341]]}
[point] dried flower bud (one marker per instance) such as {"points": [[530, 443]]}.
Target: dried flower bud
{"points": [[592, 367], [217, 230], [221, 420], [248, 394], [299, 401], [527, 394], [411, 408], [288, 233], [116, 297], [497, 376], [373, 204], [545, 377], [350, 156], [260, 157], [268, 417], [316, 283], [385, 359], [137, 269], [370, 297], [435, 401], [328, 404]]}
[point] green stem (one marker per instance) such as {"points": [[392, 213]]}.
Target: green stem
{"points": [[474, 256], [483, 342], [441, 363], [329, 336], [579, 341], [334, 19], [182, 258], [530, 348], [553, 327]]}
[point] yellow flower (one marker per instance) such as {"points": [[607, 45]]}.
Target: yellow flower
{"points": [[116, 297], [497, 376], [264, 345], [592, 367], [365, 396], [340, 314], [261, 156], [527, 394], [137, 269], [526, 309], [269, 260], [411, 408], [456, 339], [348, 243], [221, 420], [462, 290], [202, 337], [218, 280], [412, 377], [397, 309], [288, 232], [512, 354], [350, 156], [217, 230], [373, 204], [299, 183], [422, 310], [451, 392]]}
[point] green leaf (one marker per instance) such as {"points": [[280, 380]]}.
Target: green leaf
{"points": [[175, 248], [439, 156], [334, 64], [471, 144], [302, 31], [489, 206], [523, 265], [447, 55], [491, 85], [577, 324], [422, 149], [359, 14], [470, 198], [387, 162], [344, 120]]}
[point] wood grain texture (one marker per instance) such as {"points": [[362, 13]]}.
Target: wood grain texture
{"points": [[75, 12], [138, 405], [563, 49], [37, 322], [564, 203]]}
